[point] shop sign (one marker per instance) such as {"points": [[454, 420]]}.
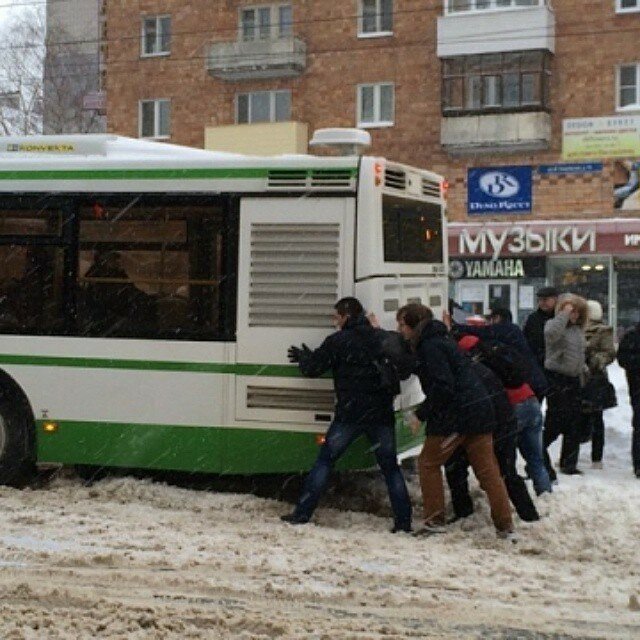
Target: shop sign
{"points": [[494, 190], [613, 137], [520, 239], [565, 168], [632, 240], [497, 268]]}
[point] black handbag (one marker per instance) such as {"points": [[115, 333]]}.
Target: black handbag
{"points": [[597, 394]]}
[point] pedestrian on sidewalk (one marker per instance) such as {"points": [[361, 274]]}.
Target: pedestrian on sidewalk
{"points": [[534, 326], [565, 347], [598, 393], [629, 359]]}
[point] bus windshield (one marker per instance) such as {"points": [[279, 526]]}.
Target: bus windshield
{"points": [[412, 230]]}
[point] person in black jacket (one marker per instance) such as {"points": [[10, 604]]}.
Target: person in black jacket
{"points": [[534, 325], [363, 407], [458, 413], [629, 359], [505, 442], [503, 329]]}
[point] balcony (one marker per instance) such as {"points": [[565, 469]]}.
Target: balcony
{"points": [[257, 59], [519, 28], [261, 139], [496, 133]]}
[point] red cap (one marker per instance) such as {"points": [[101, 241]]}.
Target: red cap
{"points": [[466, 343]]}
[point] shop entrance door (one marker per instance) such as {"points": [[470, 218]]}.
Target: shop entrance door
{"points": [[480, 296]]}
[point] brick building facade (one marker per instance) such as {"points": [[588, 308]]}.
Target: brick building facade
{"points": [[445, 84]]}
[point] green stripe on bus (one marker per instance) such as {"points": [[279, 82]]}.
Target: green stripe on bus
{"points": [[157, 174], [184, 448], [277, 370], [230, 450]]}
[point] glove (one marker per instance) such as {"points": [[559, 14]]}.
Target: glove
{"points": [[296, 353]]}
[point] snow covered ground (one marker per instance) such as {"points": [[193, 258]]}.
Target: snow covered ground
{"points": [[135, 559]]}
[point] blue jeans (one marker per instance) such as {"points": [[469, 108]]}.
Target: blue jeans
{"points": [[383, 443], [529, 419]]}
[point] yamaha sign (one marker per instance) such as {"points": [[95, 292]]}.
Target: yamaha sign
{"points": [[499, 190]]}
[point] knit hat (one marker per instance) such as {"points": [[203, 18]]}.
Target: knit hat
{"points": [[594, 310], [466, 343]]}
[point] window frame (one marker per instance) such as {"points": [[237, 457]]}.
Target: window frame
{"points": [[377, 123], [379, 32], [272, 106], [636, 105], [275, 26], [493, 7], [621, 9], [156, 118], [470, 71], [158, 36]]}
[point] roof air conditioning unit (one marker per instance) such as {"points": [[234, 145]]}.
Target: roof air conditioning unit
{"points": [[346, 142]]}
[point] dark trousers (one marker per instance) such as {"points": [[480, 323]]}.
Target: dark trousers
{"points": [[635, 442], [563, 418], [595, 427], [504, 447], [383, 443]]}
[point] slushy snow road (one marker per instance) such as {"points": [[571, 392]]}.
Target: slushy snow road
{"points": [[134, 559]]}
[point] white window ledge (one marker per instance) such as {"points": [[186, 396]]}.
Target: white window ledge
{"points": [[375, 125], [375, 34], [161, 54]]}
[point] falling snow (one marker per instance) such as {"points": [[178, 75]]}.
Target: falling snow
{"points": [[135, 559]]}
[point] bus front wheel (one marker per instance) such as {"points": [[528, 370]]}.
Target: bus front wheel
{"points": [[17, 439]]}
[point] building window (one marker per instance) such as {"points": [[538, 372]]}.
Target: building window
{"points": [[453, 7], [495, 82], [628, 81], [156, 36], [263, 106], [627, 6], [268, 22], [375, 105], [375, 17], [155, 118]]}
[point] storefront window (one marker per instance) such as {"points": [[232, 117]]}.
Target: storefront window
{"points": [[587, 277], [628, 281]]}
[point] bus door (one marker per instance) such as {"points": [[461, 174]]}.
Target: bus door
{"points": [[295, 261]]}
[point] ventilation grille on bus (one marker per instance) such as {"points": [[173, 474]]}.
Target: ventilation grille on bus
{"points": [[430, 188], [294, 274], [311, 179], [395, 179], [320, 400]]}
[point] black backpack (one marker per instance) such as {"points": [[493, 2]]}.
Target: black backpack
{"points": [[511, 366], [393, 361]]}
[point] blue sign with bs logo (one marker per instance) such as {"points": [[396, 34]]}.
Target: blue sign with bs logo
{"points": [[495, 190]]}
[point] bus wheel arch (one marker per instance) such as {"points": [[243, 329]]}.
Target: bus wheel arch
{"points": [[17, 434]]}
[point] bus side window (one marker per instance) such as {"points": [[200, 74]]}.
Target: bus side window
{"points": [[150, 271]]}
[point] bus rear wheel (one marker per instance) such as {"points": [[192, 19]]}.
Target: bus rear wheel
{"points": [[17, 440]]}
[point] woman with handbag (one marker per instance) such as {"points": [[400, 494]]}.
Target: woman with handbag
{"points": [[598, 393]]}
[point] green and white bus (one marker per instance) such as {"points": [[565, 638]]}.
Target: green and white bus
{"points": [[149, 292]]}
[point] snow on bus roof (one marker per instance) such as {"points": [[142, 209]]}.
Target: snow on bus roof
{"points": [[107, 149]]}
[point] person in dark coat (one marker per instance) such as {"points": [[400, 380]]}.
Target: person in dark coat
{"points": [[363, 407], [503, 329], [629, 359], [505, 440], [534, 325], [458, 413]]}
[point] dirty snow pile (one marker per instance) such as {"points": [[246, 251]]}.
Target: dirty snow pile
{"points": [[132, 559]]}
